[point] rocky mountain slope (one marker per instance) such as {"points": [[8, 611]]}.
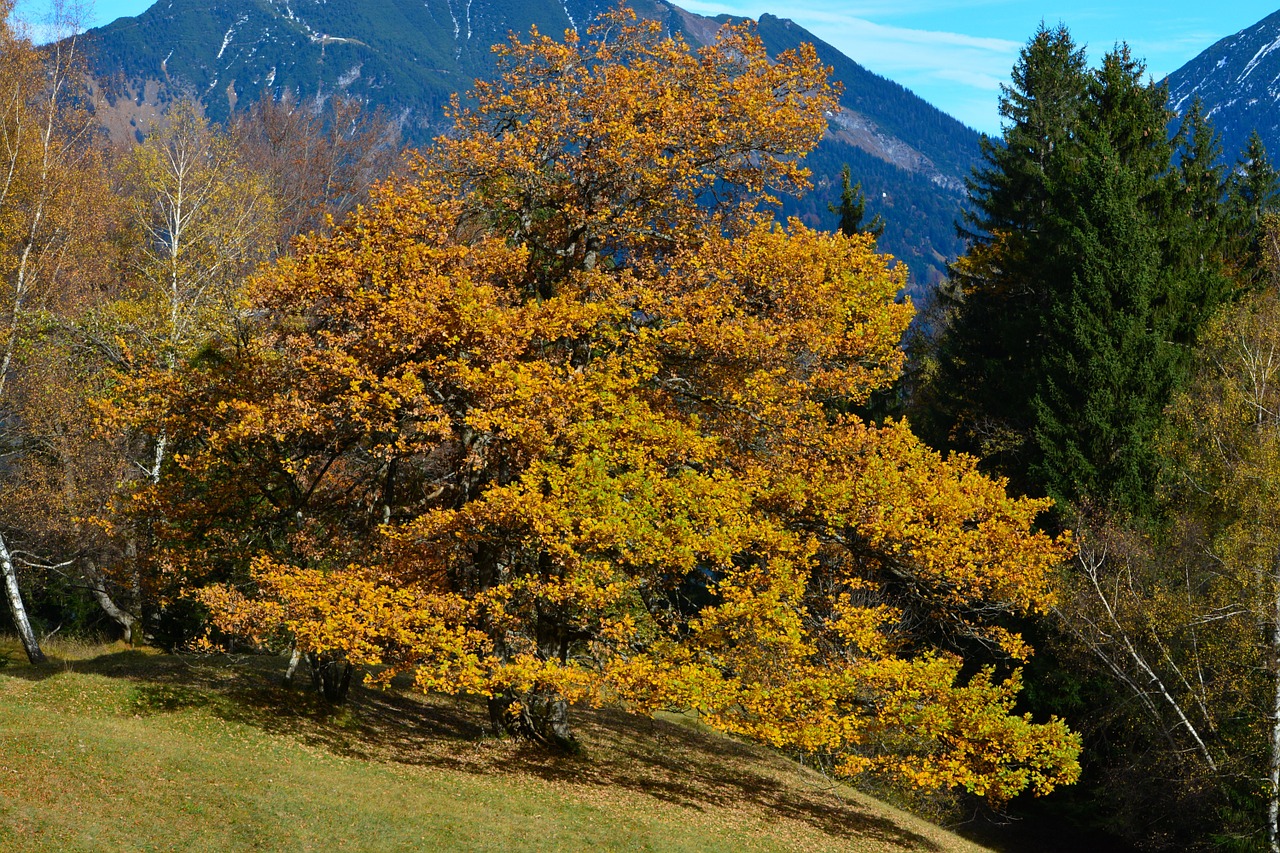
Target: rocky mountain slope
{"points": [[410, 56], [1238, 80]]}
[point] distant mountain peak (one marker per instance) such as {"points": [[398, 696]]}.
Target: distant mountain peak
{"points": [[411, 56], [1238, 81]]}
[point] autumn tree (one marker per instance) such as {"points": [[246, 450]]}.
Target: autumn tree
{"points": [[51, 200], [195, 221], [65, 473], [559, 420], [1226, 445], [1159, 643], [1183, 615], [319, 158]]}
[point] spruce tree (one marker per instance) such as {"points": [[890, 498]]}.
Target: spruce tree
{"points": [[1200, 168], [1254, 184], [1107, 364], [1009, 191], [1196, 237], [980, 399], [1096, 253], [853, 208], [1253, 190]]}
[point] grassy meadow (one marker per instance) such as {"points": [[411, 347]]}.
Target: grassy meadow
{"points": [[111, 748]]}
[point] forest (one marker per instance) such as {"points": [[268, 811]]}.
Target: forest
{"points": [[556, 413]]}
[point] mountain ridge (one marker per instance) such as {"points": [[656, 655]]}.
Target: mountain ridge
{"points": [[411, 56], [1238, 81]]}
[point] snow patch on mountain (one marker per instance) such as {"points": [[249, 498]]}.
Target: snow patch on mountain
{"points": [[1257, 58], [348, 77], [456, 28], [231, 31], [1238, 82]]}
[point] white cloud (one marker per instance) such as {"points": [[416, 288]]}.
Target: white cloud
{"points": [[868, 10], [924, 51], [955, 70], [973, 79]]}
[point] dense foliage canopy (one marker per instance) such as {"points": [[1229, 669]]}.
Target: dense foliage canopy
{"points": [[1106, 341], [559, 419]]}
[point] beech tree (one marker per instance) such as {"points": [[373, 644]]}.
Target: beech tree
{"points": [[560, 419]]}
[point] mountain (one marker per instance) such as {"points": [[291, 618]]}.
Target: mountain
{"points": [[410, 56], [1238, 81]]}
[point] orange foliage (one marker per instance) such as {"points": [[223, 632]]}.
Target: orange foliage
{"points": [[547, 421]]}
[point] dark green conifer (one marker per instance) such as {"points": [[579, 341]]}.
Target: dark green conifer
{"points": [[852, 209], [980, 399], [1196, 237], [1009, 191], [1253, 191], [1254, 184], [1096, 254]]}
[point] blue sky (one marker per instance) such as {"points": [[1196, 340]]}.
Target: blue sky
{"points": [[956, 53]]}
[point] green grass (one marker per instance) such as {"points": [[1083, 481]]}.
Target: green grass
{"points": [[117, 749]]}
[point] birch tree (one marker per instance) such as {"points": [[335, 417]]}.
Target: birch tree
{"points": [[195, 223], [1225, 448], [48, 207]]}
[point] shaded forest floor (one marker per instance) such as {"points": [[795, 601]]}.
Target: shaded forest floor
{"points": [[110, 748]]}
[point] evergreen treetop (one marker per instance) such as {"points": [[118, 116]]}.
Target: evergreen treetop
{"points": [[853, 208], [1096, 253]]}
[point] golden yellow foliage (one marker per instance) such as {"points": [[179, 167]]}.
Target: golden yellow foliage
{"points": [[547, 424]]}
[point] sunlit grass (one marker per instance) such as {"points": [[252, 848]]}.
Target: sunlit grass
{"points": [[112, 748], [60, 648]]}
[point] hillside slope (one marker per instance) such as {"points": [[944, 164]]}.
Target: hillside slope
{"points": [[130, 750], [410, 57], [910, 157], [1238, 80]]}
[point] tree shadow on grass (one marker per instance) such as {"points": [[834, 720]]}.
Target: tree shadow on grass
{"points": [[134, 664], [673, 762]]}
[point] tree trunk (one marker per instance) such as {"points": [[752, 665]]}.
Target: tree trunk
{"points": [[539, 716], [1273, 805], [16, 607], [125, 620], [331, 677], [295, 658]]}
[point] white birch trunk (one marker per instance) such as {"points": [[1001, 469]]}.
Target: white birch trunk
{"points": [[16, 607], [123, 618], [1273, 805], [294, 659]]}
